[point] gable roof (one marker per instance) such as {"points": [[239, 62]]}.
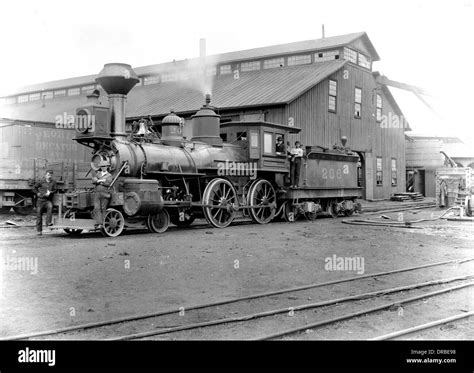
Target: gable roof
{"points": [[277, 86], [256, 88], [248, 54]]}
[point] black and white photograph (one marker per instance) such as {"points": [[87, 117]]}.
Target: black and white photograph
{"points": [[182, 173]]}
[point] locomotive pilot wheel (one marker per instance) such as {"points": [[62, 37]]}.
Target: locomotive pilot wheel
{"points": [[158, 223], [114, 223], [221, 196], [261, 193]]}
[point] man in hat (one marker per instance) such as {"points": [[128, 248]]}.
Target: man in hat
{"points": [[44, 190], [296, 156], [102, 181]]}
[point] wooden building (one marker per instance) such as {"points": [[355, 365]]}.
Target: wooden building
{"points": [[424, 157], [326, 87]]}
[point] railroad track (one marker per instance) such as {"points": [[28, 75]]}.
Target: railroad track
{"points": [[204, 316]]}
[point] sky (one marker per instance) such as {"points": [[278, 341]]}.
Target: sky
{"points": [[427, 43]]}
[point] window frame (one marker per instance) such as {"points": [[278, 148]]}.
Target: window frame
{"points": [[378, 109], [359, 116], [351, 55], [334, 96], [273, 63], [225, 69], [299, 59], [378, 171], [392, 171], [248, 66], [74, 91], [367, 64], [272, 143]]}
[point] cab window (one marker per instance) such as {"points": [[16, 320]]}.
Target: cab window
{"points": [[268, 142]]}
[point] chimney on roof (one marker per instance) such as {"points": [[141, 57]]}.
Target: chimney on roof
{"points": [[322, 30]]}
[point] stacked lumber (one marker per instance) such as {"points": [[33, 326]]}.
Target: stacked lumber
{"points": [[407, 196]]}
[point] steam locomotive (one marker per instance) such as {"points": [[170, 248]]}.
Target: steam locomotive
{"points": [[158, 180]]}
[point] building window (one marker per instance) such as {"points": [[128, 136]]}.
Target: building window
{"points": [[73, 91], [169, 77], [211, 71], [350, 55], [47, 95], [379, 108], [225, 69], [153, 79], [35, 96], [22, 98], [357, 103], [394, 172], [60, 93], [378, 172], [250, 66], [302, 59], [268, 142], [88, 88], [274, 62], [326, 56], [365, 61], [332, 95]]}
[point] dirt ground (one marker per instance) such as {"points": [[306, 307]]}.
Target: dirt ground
{"points": [[90, 278]]}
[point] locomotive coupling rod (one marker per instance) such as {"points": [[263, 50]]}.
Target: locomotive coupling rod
{"points": [[236, 208]]}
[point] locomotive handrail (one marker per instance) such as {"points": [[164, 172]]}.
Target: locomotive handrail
{"points": [[124, 164]]}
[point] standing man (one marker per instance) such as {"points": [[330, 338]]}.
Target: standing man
{"points": [[102, 180], [44, 190], [296, 155]]}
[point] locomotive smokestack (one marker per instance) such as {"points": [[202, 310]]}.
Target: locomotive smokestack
{"points": [[117, 79], [206, 124]]}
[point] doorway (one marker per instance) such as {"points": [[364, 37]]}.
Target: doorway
{"points": [[361, 179]]}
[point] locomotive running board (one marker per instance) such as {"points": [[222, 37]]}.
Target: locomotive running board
{"points": [[320, 193]]}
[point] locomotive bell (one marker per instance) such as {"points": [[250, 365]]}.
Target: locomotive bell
{"points": [[117, 79], [171, 128], [206, 125]]}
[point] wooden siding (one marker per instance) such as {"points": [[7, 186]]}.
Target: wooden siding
{"points": [[321, 127]]}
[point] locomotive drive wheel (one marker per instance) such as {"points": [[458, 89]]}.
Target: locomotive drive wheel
{"points": [[73, 232], [158, 223], [221, 194], [261, 193], [113, 223]]}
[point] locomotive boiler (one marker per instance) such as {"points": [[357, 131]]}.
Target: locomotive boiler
{"points": [[169, 178]]}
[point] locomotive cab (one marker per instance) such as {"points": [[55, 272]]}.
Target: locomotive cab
{"points": [[260, 139]]}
